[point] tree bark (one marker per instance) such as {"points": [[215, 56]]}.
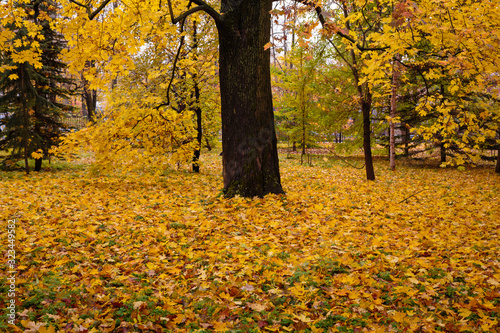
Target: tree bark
{"points": [[392, 141], [366, 109], [197, 108], [89, 96], [38, 164], [250, 159], [304, 113], [407, 140], [199, 129], [207, 144], [37, 131], [365, 97], [443, 152], [26, 120], [392, 125], [497, 169]]}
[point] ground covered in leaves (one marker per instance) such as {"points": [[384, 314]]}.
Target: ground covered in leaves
{"points": [[416, 250]]}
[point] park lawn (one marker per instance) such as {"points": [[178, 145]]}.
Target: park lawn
{"points": [[416, 250]]}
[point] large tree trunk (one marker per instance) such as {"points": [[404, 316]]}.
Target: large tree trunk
{"points": [[250, 159]]}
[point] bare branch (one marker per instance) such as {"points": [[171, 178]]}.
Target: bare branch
{"points": [[414, 194], [91, 14], [98, 10], [87, 7], [202, 6], [174, 66], [79, 4]]}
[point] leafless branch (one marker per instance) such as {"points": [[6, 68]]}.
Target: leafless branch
{"points": [[91, 14], [202, 6]]}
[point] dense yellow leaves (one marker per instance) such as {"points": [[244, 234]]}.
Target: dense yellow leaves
{"points": [[19, 47], [113, 38], [447, 54], [417, 250]]}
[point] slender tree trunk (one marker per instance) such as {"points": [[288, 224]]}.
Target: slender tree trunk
{"points": [[89, 96], [37, 131], [26, 118], [407, 140], [250, 159], [207, 144], [197, 107], [303, 107], [26, 162], [199, 129], [366, 109], [497, 169], [365, 97], [441, 137], [392, 125], [392, 144]]}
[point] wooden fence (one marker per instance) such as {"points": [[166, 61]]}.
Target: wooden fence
{"points": [[75, 122]]}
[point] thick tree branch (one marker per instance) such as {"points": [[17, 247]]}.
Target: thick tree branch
{"points": [[202, 6], [87, 7], [98, 10], [91, 14]]}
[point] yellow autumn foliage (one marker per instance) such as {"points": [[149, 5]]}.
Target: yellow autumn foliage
{"points": [[415, 251]]}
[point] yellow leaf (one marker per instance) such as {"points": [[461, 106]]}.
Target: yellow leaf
{"points": [[303, 318], [493, 282], [258, 307], [50, 329], [139, 304], [465, 313], [399, 316], [39, 154], [225, 296]]}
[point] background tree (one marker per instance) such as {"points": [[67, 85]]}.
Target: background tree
{"points": [[350, 25], [31, 92], [456, 66], [297, 100]]}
